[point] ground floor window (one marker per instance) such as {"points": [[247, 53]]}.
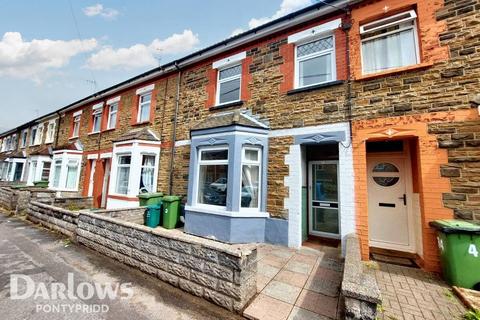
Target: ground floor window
{"points": [[147, 173], [123, 174], [213, 177], [251, 164], [65, 175]]}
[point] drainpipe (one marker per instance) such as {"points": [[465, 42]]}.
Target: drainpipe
{"points": [[163, 115], [346, 26], [174, 137], [57, 129]]}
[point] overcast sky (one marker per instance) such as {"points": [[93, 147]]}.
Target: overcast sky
{"points": [[55, 52]]}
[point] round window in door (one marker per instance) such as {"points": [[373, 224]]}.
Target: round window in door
{"points": [[385, 174]]}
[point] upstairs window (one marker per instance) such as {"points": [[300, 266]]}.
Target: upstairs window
{"points": [[14, 142], [39, 135], [33, 135], [390, 43], [112, 115], [315, 62], [76, 126], [213, 176], [228, 84], [24, 138], [144, 101], [97, 120], [50, 132]]}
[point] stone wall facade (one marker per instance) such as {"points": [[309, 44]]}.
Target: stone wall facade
{"points": [[223, 274]]}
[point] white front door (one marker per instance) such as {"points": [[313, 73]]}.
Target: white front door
{"points": [[388, 204]]}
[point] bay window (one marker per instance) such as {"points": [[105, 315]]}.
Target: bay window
{"points": [[228, 84], [390, 43], [147, 173], [65, 175], [144, 101], [251, 167], [112, 115], [123, 174], [315, 62], [213, 177]]}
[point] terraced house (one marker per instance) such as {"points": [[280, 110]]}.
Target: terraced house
{"points": [[346, 116]]}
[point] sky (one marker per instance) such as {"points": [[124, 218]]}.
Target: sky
{"points": [[55, 52]]}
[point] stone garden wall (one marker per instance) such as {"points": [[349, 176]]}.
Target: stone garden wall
{"points": [[55, 218], [221, 273], [74, 202], [7, 198], [359, 287], [16, 200]]}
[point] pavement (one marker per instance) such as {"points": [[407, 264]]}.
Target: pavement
{"points": [[411, 293], [52, 263], [297, 284]]}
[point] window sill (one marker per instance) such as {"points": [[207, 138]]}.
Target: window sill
{"points": [[227, 105], [71, 138], [395, 71], [233, 214], [93, 133], [316, 87], [141, 123], [108, 130]]}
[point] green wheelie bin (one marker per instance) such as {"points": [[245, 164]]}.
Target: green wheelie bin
{"points": [[152, 216], [171, 211], [147, 199], [459, 246]]}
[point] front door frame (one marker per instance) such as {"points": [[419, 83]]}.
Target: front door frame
{"points": [[310, 232], [405, 158]]}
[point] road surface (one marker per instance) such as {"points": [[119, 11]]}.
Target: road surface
{"points": [[42, 263]]}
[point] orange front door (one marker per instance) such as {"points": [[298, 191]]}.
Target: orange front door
{"points": [[98, 180]]}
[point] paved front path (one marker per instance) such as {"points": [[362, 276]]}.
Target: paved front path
{"points": [[409, 293], [48, 259], [297, 284]]}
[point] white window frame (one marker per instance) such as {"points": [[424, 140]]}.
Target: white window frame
{"points": [[97, 120], [219, 82], [260, 172], [118, 166], [143, 104], [13, 142], [109, 120], [51, 126], [210, 162], [65, 158], [39, 136], [412, 17], [315, 55], [33, 137], [24, 142], [76, 125]]}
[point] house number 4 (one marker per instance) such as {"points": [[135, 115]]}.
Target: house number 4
{"points": [[473, 250]]}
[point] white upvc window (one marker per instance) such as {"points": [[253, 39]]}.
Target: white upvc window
{"points": [[97, 120], [50, 131], [147, 173], [76, 126], [144, 102], [33, 135], [39, 135], [112, 115], [65, 175], [24, 141], [13, 142], [315, 62], [390, 43], [212, 188], [251, 178], [229, 84], [123, 174]]}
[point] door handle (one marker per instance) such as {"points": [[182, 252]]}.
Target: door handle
{"points": [[404, 198]]}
